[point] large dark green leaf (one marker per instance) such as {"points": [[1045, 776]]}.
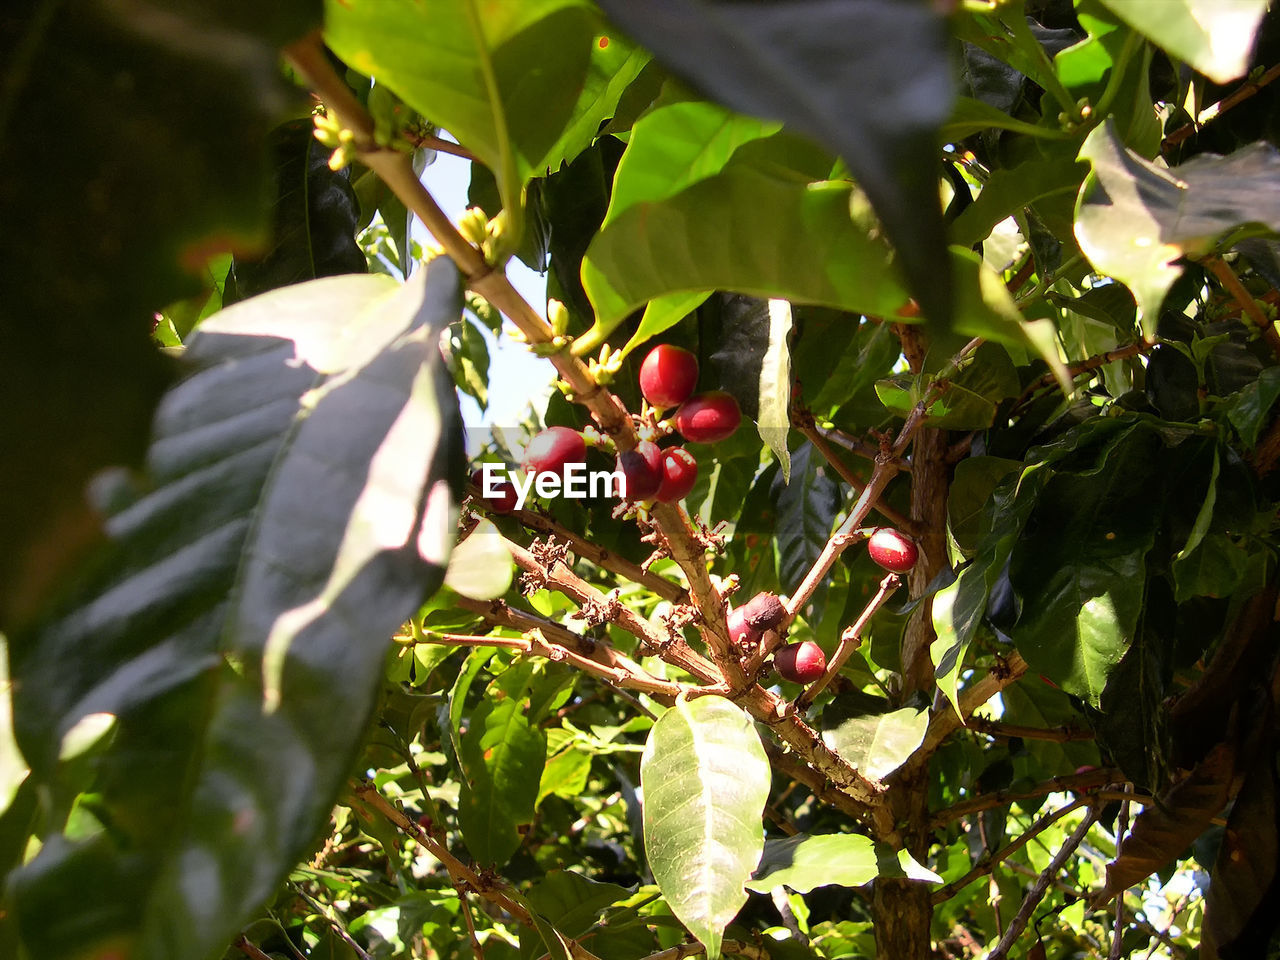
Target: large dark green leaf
{"points": [[871, 80], [313, 220], [114, 199], [806, 507], [1135, 219], [296, 511]]}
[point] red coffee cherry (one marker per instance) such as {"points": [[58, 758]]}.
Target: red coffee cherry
{"points": [[708, 417], [642, 470], [679, 474], [740, 632], [554, 449], [764, 611], [504, 501], [668, 375], [800, 662], [892, 550]]}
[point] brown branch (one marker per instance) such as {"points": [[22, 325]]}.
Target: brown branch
{"points": [[439, 144], [559, 575], [1227, 277], [1041, 886], [987, 801], [248, 949], [308, 59], [855, 446], [460, 873], [1081, 367], [945, 722], [1211, 113], [850, 637], [993, 860], [996, 728], [598, 555], [814, 436], [736, 947], [790, 765]]}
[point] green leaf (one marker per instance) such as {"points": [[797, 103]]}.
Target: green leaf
{"points": [[296, 512], [958, 609], [502, 758], [706, 779], [1081, 566], [877, 744], [973, 116], [1213, 36], [773, 420], [765, 60], [805, 862], [1215, 568], [1250, 408], [110, 235], [488, 79], [313, 220], [1011, 190], [806, 509], [664, 313], [975, 480], [481, 566], [1134, 219], [565, 774], [771, 237]]}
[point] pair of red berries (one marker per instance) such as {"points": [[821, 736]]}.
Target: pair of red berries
{"points": [[668, 377], [798, 662]]}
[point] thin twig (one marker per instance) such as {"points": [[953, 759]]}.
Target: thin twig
{"points": [[1213, 112], [850, 637], [333, 921], [991, 861], [946, 721], [598, 555], [432, 142], [1143, 346], [986, 801], [1122, 827], [1227, 277], [1041, 886], [737, 947], [814, 436], [996, 728], [248, 949]]}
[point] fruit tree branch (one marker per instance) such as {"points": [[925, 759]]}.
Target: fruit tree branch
{"points": [[1227, 277], [850, 637], [991, 861], [1041, 886], [395, 168], [1076, 783]]}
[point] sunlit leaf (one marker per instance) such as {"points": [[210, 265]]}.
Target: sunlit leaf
{"points": [[1213, 36], [804, 862], [706, 779]]}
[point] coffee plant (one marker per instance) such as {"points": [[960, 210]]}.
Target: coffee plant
{"points": [[926, 353]]}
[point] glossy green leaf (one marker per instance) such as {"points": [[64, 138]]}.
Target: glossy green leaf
{"points": [[1251, 407], [176, 174], [871, 81], [1080, 567], [488, 79], [976, 478], [805, 862], [773, 419], [481, 566], [502, 757], [806, 509], [959, 608], [879, 743], [1213, 36], [706, 779], [751, 231], [1134, 219], [237, 625], [973, 116]]}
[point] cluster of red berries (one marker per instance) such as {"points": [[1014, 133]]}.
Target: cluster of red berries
{"points": [[805, 662], [668, 377]]}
